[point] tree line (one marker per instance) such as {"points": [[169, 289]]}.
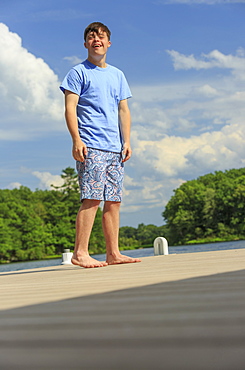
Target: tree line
{"points": [[41, 223], [210, 208]]}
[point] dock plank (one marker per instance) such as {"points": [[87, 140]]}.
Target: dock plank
{"points": [[169, 312]]}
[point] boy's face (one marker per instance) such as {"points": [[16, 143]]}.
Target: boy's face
{"points": [[97, 43]]}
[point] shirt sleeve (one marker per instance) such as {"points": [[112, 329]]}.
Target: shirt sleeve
{"points": [[125, 92], [72, 82]]}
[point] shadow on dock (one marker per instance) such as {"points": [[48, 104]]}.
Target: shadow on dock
{"points": [[196, 323]]}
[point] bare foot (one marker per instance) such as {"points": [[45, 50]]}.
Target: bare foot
{"points": [[119, 259], [87, 262]]}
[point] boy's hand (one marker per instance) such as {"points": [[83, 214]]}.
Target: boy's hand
{"points": [[127, 152], [79, 151]]}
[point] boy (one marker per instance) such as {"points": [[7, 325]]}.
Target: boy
{"points": [[98, 119]]}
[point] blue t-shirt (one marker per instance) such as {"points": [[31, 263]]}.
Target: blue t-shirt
{"points": [[100, 90]]}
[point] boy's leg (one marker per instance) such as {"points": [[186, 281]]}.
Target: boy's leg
{"points": [[84, 224], [110, 224]]}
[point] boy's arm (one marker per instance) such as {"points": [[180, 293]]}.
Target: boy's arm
{"points": [[125, 122], [79, 149]]}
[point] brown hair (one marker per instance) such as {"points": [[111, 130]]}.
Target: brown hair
{"points": [[94, 27]]}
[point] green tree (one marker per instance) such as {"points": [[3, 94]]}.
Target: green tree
{"points": [[6, 241], [212, 206]]}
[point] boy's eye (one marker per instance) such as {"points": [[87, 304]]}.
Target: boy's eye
{"points": [[92, 36]]}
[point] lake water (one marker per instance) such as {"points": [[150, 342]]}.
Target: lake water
{"points": [[144, 252]]}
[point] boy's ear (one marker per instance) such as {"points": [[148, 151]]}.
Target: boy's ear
{"points": [[85, 45]]}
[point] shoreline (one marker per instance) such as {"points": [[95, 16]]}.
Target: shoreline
{"points": [[190, 245]]}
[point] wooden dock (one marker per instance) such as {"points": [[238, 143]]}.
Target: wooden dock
{"points": [[175, 312]]}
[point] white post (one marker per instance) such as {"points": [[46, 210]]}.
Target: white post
{"points": [[66, 257], [160, 246]]}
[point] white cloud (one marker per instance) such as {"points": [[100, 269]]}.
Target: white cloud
{"points": [[148, 193], [184, 130], [207, 91], [73, 59], [215, 59], [14, 185], [47, 179], [30, 100], [158, 167], [194, 104], [156, 110]]}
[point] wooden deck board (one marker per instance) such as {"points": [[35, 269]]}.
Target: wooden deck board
{"points": [[169, 312]]}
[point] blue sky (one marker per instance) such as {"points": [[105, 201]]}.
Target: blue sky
{"points": [[185, 63]]}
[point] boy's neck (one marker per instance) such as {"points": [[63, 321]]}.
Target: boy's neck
{"points": [[98, 62]]}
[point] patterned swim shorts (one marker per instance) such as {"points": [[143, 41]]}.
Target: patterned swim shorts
{"points": [[100, 176]]}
